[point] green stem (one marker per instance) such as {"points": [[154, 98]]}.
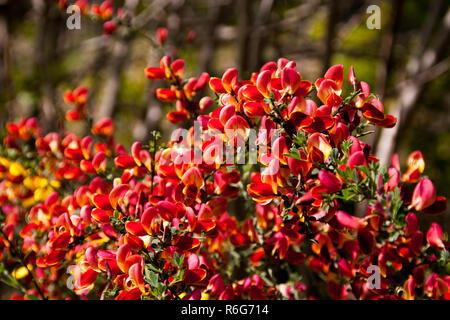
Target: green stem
{"points": [[17, 255]]}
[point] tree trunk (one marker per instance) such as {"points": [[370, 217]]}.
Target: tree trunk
{"points": [[256, 44], [243, 13], [333, 8], [116, 64], [411, 90]]}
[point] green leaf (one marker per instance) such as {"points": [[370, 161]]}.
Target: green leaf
{"points": [[178, 277], [334, 155], [346, 174], [364, 169], [346, 145], [300, 138], [444, 258], [294, 153], [9, 280], [153, 279], [153, 268], [355, 175]]}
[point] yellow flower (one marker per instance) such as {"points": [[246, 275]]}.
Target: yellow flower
{"points": [[28, 202], [20, 273], [28, 183], [55, 184], [205, 296], [41, 182], [16, 169], [4, 162], [39, 194], [100, 240]]}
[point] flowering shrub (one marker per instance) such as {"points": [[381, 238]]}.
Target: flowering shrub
{"points": [[253, 200]]}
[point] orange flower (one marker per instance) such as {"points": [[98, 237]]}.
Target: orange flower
{"points": [[319, 149], [261, 192], [416, 165], [104, 127], [330, 84]]}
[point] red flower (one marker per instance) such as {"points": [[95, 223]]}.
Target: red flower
{"points": [[109, 27], [161, 35], [104, 127], [424, 195], [435, 236]]}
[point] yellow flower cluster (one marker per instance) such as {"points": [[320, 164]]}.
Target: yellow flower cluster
{"points": [[41, 187]]}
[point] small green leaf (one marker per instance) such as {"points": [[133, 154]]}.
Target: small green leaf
{"points": [[355, 175], [153, 279], [176, 258], [334, 155], [300, 138], [346, 145], [444, 259], [364, 169], [294, 153]]}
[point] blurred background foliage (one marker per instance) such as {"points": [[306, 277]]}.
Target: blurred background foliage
{"points": [[406, 62]]}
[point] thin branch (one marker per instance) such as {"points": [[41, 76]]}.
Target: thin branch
{"points": [[18, 255]]}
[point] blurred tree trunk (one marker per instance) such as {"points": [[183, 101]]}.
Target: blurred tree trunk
{"points": [[386, 50], [151, 108], [423, 67], [256, 45], [243, 15], [5, 83], [208, 36], [12, 14], [47, 43], [330, 36], [384, 70], [116, 65]]}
